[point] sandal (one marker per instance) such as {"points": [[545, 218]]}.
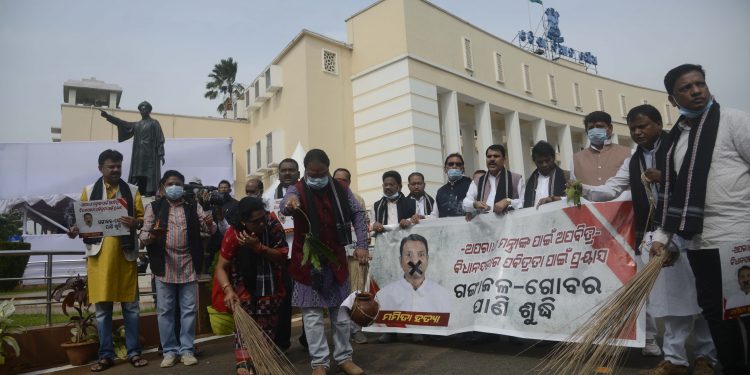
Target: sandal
{"points": [[244, 368], [102, 364], [137, 361]]}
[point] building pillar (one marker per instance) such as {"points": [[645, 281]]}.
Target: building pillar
{"points": [[450, 125], [72, 96], [515, 143], [112, 100], [565, 142], [483, 120], [539, 128]]}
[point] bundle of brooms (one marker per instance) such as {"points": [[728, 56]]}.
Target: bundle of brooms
{"points": [[596, 346], [267, 358]]}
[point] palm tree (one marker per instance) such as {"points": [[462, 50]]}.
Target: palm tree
{"points": [[222, 82]]}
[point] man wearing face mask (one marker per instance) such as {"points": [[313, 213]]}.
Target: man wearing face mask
{"points": [[450, 196], [327, 209], [600, 161], [394, 208], [707, 190], [171, 234]]}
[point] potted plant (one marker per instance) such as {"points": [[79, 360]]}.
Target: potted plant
{"points": [[8, 328], [83, 345]]}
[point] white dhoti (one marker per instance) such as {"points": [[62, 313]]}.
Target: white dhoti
{"points": [[675, 299]]}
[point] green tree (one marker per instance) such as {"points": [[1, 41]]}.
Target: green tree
{"points": [[223, 83], [10, 225]]}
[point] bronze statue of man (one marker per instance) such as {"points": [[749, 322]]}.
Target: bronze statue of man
{"points": [[148, 148]]}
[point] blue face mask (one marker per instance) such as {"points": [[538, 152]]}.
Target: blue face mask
{"points": [[455, 174], [689, 113], [597, 136], [316, 183], [392, 196], [174, 192]]}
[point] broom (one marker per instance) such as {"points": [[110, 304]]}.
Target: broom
{"points": [[267, 358], [596, 347]]}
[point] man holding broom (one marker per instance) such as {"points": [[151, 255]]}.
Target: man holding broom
{"points": [[677, 306], [707, 179], [324, 211]]}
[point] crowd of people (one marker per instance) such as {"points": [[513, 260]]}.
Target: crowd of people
{"points": [[690, 189]]}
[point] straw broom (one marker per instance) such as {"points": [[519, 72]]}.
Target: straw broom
{"points": [[267, 358], [596, 346]]}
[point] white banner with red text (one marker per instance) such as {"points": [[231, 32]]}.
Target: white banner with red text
{"points": [[531, 273]]}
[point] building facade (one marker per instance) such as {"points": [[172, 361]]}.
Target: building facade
{"points": [[412, 84]]}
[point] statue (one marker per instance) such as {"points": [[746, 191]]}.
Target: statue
{"points": [[148, 148]]}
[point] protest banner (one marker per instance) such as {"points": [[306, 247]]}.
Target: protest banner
{"points": [[530, 273], [101, 217], [735, 274]]}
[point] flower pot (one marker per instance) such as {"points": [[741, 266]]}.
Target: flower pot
{"points": [[81, 353], [365, 309], [221, 323]]}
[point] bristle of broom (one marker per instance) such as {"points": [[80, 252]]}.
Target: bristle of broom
{"points": [[266, 356], [596, 344]]}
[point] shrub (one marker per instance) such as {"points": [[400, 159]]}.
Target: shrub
{"points": [[12, 266]]}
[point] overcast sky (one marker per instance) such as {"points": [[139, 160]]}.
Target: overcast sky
{"points": [[162, 51]]}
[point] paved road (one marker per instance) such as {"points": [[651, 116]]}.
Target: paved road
{"points": [[448, 356]]}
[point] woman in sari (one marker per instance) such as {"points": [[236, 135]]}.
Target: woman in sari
{"points": [[253, 252]]}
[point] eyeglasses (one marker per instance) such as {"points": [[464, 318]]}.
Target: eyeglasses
{"points": [[454, 164]]}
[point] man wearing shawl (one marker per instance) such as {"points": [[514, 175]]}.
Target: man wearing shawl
{"points": [[497, 191], [547, 182], [111, 263], [326, 209], [707, 179]]}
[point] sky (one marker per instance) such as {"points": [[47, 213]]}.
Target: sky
{"points": [[162, 51]]}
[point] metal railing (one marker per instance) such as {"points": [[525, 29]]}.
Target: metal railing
{"points": [[48, 276]]}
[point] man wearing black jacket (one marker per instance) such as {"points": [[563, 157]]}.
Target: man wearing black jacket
{"points": [[394, 208], [171, 234], [450, 196]]}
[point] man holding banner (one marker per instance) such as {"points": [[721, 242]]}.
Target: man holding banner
{"points": [[498, 190], [707, 179]]}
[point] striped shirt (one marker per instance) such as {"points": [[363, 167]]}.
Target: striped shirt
{"points": [[178, 263]]}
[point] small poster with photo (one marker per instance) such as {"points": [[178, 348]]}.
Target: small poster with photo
{"points": [[101, 218], [735, 271], [287, 222]]}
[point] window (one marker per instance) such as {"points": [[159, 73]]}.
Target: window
{"points": [[468, 60], [247, 97], [269, 148], [668, 114], [499, 76], [600, 99], [249, 152], [268, 77], [552, 89], [526, 78], [577, 96], [623, 106], [257, 155], [257, 89], [329, 62]]}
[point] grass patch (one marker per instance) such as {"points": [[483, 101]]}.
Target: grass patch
{"points": [[23, 290], [36, 320]]}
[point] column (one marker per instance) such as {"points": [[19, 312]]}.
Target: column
{"points": [[539, 129], [450, 126], [112, 100], [615, 139], [566, 146], [72, 96], [515, 143], [484, 127]]}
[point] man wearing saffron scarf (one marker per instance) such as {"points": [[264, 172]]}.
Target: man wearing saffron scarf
{"points": [[707, 179]]}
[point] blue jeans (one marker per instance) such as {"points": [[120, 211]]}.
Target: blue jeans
{"points": [[130, 312], [316, 336], [169, 295]]}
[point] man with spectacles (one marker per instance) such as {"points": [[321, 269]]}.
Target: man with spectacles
{"points": [[449, 197]]}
